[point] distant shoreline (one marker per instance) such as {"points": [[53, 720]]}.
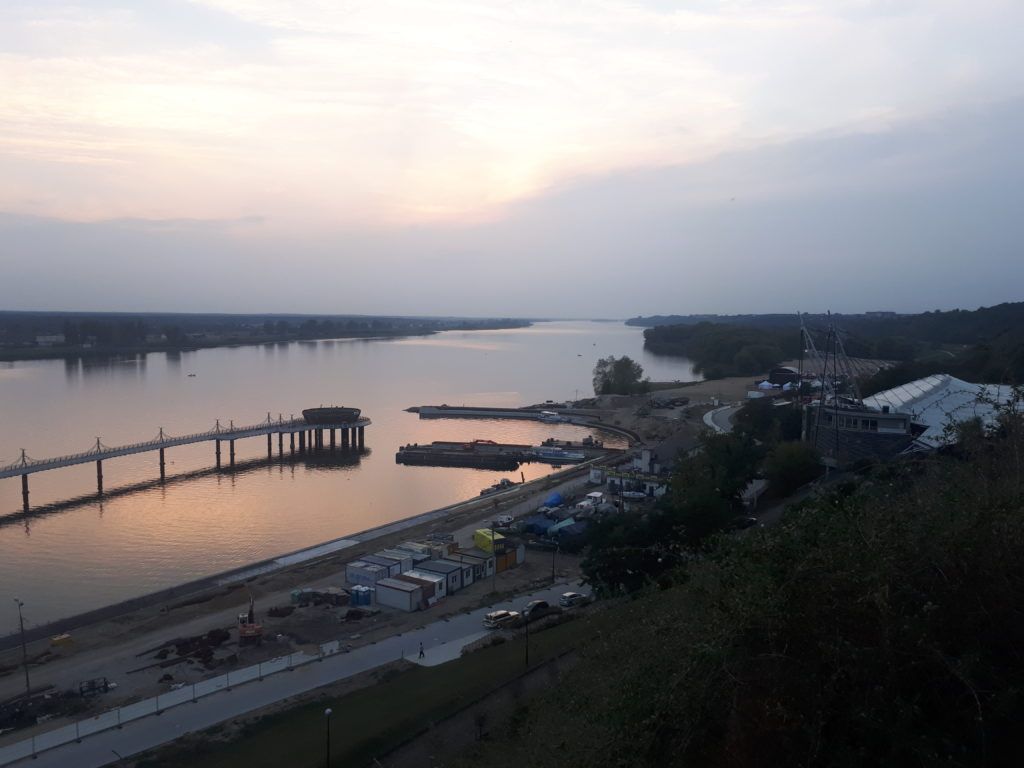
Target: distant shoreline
{"points": [[29, 354]]}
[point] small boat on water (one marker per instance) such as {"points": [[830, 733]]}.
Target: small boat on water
{"points": [[331, 415]]}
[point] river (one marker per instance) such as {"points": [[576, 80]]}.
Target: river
{"points": [[77, 552]]}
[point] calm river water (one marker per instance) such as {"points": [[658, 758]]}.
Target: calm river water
{"points": [[78, 552]]}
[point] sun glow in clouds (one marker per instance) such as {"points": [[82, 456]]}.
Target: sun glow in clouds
{"points": [[329, 114]]}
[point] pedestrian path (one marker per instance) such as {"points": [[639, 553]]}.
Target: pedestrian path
{"points": [[144, 725]]}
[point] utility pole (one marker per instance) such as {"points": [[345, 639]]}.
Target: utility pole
{"points": [[527, 642], [327, 714], [24, 648], [494, 555]]}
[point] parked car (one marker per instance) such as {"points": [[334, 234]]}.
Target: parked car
{"points": [[570, 599], [503, 521], [498, 619], [535, 609]]}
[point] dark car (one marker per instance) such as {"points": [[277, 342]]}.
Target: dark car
{"points": [[535, 609]]}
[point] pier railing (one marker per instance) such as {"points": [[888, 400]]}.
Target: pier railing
{"points": [[25, 464]]}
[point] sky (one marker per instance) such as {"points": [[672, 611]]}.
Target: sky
{"points": [[564, 158]]}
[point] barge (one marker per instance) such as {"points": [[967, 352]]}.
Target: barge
{"points": [[487, 454]]}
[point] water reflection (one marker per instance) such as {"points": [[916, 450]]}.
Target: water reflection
{"points": [[344, 459], [115, 365], [152, 536]]}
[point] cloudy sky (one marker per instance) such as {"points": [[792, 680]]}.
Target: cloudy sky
{"points": [[556, 158]]}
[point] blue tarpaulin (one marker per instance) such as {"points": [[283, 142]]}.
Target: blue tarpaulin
{"points": [[554, 500], [537, 524]]}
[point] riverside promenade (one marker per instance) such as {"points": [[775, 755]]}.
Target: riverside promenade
{"points": [[171, 717]]}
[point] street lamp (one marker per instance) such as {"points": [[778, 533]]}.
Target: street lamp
{"points": [[24, 649], [327, 714], [527, 642]]}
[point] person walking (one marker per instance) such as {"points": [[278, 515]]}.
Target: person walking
{"points": [[422, 654]]}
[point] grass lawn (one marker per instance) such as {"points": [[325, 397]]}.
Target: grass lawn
{"points": [[371, 721]]}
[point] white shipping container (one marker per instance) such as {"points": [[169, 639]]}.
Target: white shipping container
{"points": [[399, 594]]}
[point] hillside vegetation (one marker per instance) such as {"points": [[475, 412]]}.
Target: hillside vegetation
{"points": [[719, 350], [880, 624]]}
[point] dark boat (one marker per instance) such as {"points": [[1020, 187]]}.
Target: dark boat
{"points": [[332, 415]]}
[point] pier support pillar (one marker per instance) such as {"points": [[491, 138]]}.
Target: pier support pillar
{"points": [[332, 438], [270, 446], [302, 441], [24, 492], [344, 437], [99, 477], [280, 444], [291, 438], [231, 451], [163, 469], [360, 437], [217, 451]]}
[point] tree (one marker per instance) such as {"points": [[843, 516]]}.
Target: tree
{"points": [[705, 489], [619, 376], [790, 465]]}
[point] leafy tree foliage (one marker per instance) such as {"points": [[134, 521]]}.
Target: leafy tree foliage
{"points": [[762, 420], [878, 625], [619, 376], [628, 552], [790, 465]]}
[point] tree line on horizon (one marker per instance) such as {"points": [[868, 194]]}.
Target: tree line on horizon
{"points": [[984, 345]]}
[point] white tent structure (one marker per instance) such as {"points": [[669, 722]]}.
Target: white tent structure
{"points": [[940, 400]]}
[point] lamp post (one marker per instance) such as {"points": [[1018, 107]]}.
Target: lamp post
{"points": [[553, 553], [24, 648], [527, 642], [327, 714]]}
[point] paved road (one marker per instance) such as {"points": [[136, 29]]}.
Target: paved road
{"points": [[720, 419], [442, 641]]}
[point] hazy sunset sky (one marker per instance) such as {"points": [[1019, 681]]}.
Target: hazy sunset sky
{"points": [[571, 158]]}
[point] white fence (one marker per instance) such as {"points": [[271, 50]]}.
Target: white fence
{"points": [[115, 718]]}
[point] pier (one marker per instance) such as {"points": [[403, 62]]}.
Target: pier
{"points": [[302, 436]]}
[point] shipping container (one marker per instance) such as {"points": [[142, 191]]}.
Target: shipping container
{"points": [[429, 587], [485, 539], [399, 594], [405, 558], [368, 574], [482, 562], [466, 568], [393, 565], [451, 571], [440, 581]]}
